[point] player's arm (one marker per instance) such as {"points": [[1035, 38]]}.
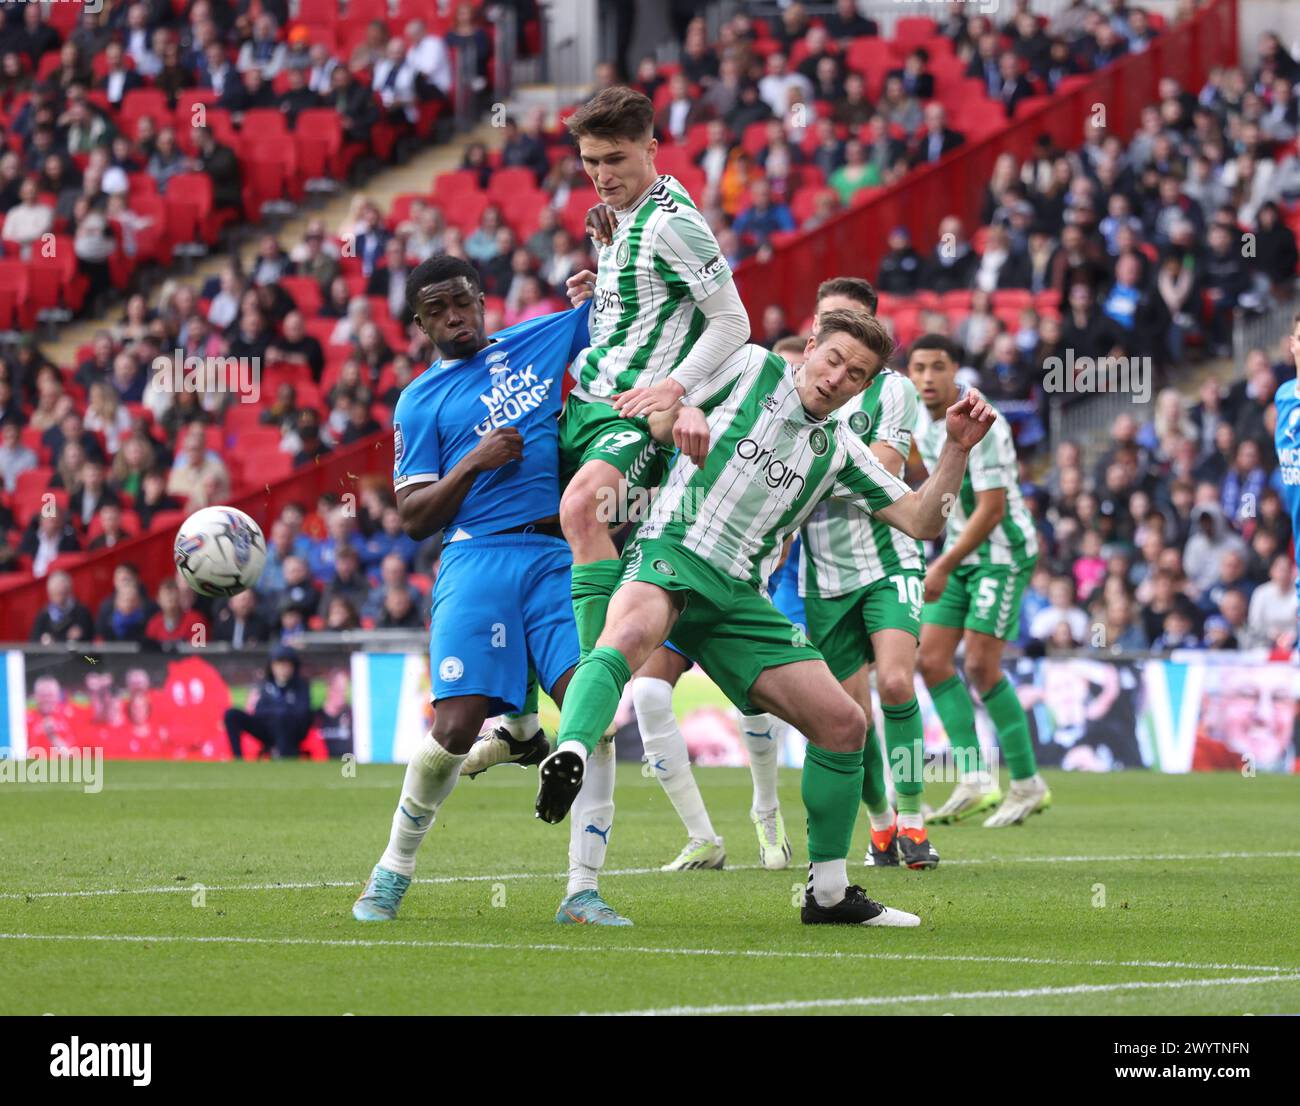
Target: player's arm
{"points": [[686, 246], [894, 462], [689, 417], [428, 507], [990, 508], [923, 513]]}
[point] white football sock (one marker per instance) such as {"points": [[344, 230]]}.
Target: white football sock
{"points": [[911, 821], [883, 821], [430, 776], [521, 726], [572, 746], [590, 820], [762, 733], [830, 881], [665, 752]]}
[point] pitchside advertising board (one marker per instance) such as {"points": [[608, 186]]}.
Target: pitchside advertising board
{"points": [[1192, 712]]}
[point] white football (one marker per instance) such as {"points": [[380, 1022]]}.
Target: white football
{"points": [[220, 551]]}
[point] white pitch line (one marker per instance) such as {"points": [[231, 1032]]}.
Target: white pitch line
{"points": [[639, 950], [190, 886], [951, 996]]}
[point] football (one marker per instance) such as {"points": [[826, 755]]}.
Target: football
{"points": [[220, 551]]}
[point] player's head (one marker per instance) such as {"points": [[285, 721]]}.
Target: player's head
{"points": [[791, 348], [446, 299], [841, 359], [614, 131], [932, 363], [1295, 339], [845, 294]]}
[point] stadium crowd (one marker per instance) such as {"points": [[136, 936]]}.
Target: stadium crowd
{"points": [[1174, 539]]}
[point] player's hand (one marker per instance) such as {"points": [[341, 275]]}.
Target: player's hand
{"points": [[498, 447], [691, 434], [601, 224], [936, 579], [646, 401], [969, 419], [581, 287]]}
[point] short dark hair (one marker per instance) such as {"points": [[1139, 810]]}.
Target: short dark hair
{"points": [[436, 269], [614, 113], [855, 288], [939, 342]]}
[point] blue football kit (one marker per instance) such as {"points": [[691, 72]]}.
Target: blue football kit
{"points": [[1286, 440], [502, 598]]}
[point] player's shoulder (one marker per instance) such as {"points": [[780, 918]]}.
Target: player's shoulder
{"points": [[1287, 393], [532, 328]]}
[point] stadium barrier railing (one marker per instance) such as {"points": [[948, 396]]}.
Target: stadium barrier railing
{"points": [[854, 242]]}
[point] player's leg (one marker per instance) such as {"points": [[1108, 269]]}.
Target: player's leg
{"points": [[762, 734], [603, 456], [808, 696], [1028, 793], [431, 774], [942, 628], [882, 851], [895, 650], [639, 619], [478, 667], [996, 592], [669, 761]]}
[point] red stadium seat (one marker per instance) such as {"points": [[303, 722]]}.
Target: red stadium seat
{"points": [[318, 136], [264, 123], [16, 312], [305, 293], [506, 182]]}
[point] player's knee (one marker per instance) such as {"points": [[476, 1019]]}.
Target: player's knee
{"points": [[982, 673], [846, 727], [934, 667], [580, 509], [895, 686], [456, 729], [628, 636]]}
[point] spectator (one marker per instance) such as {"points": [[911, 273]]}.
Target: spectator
{"points": [[172, 622], [239, 623], [278, 711], [15, 458], [63, 618], [398, 612], [195, 464], [219, 163], [856, 174], [936, 138], [763, 218], [1272, 611]]}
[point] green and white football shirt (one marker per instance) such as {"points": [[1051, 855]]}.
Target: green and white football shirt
{"points": [[843, 550], [643, 319], [992, 464], [769, 464]]}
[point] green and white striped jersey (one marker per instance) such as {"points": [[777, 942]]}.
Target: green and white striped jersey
{"points": [[992, 464], [842, 549], [644, 320], [769, 464]]}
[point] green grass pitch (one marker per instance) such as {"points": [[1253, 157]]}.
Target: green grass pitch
{"points": [[1136, 894]]}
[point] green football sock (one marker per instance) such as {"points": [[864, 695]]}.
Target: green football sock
{"points": [[957, 713], [873, 775], [831, 785], [905, 744], [1013, 729], [591, 587], [592, 697]]}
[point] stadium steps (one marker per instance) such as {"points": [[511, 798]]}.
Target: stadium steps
{"points": [[416, 175]]}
